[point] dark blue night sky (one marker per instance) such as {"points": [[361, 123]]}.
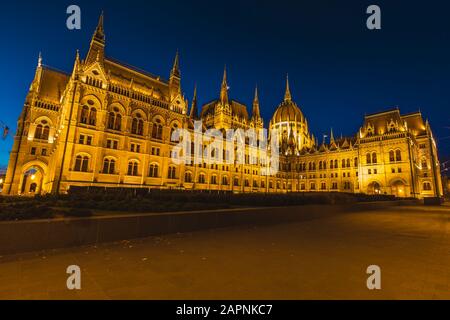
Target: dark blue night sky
{"points": [[338, 69]]}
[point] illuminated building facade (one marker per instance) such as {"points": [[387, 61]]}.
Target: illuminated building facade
{"points": [[108, 124]]}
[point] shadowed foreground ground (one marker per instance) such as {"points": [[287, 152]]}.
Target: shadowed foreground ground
{"points": [[322, 258]]}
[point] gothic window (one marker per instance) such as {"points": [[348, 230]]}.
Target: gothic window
{"points": [[343, 163], [355, 163], [153, 170], [115, 120], [201, 178], [188, 177], [93, 117], [109, 166], [172, 131], [81, 163], [172, 173], [42, 130], [137, 125], [427, 186], [335, 164], [84, 115], [398, 155], [348, 163], [213, 179], [368, 158], [374, 158], [133, 167], [391, 156], [225, 180], [157, 129]]}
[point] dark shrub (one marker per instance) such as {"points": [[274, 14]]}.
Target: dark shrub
{"points": [[78, 212]]}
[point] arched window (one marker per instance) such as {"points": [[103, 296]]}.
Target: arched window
{"points": [[427, 186], [42, 130], [391, 156], [93, 117], [153, 170], [335, 164], [368, 158], [225, 180], [137, 125], [172, 173], [172, 130], [355, 162], [38, 132], [188, 177], [343, 163], [133, 167], [157, 129], [348, 163], [81, 163], [331, 164], [374, 157], [84, 115], [109, 166], [201, 178], [320, 165], [398, 155], [115, 120]]}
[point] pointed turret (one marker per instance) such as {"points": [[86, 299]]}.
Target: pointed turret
{"points": [[287, 94], [37, 75], [175, 78], [97, 47], [176, 65], [332, 136], [76, 66], [224, 88], [255, 113], [194, 113]]}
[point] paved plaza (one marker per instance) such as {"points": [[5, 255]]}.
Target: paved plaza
{"points": [[324, 257]]}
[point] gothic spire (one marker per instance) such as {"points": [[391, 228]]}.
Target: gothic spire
{"points": [[99, 33], [331, 136], [176, 65], [255, 112], [97, 47], [287, 95], [224, 88], [194, 113]]}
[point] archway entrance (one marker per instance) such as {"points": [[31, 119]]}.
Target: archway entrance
{"points": [[374, 188], [398, 189], [32, 182]]}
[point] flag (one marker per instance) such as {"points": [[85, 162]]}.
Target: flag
{"points": [[5, 132]]}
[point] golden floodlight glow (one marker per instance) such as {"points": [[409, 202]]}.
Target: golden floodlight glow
{"points": [[1, 181], [33, 176]]}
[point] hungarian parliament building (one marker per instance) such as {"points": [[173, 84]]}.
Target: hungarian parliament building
{"points": [[109, 125]]}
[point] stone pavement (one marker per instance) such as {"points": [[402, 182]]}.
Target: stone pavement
{"points": [[323, 258]]}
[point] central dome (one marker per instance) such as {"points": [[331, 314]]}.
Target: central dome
{"points": [[287, 111], [290, 125]]}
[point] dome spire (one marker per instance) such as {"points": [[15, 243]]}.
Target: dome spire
{"points": [[287, 95]]}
